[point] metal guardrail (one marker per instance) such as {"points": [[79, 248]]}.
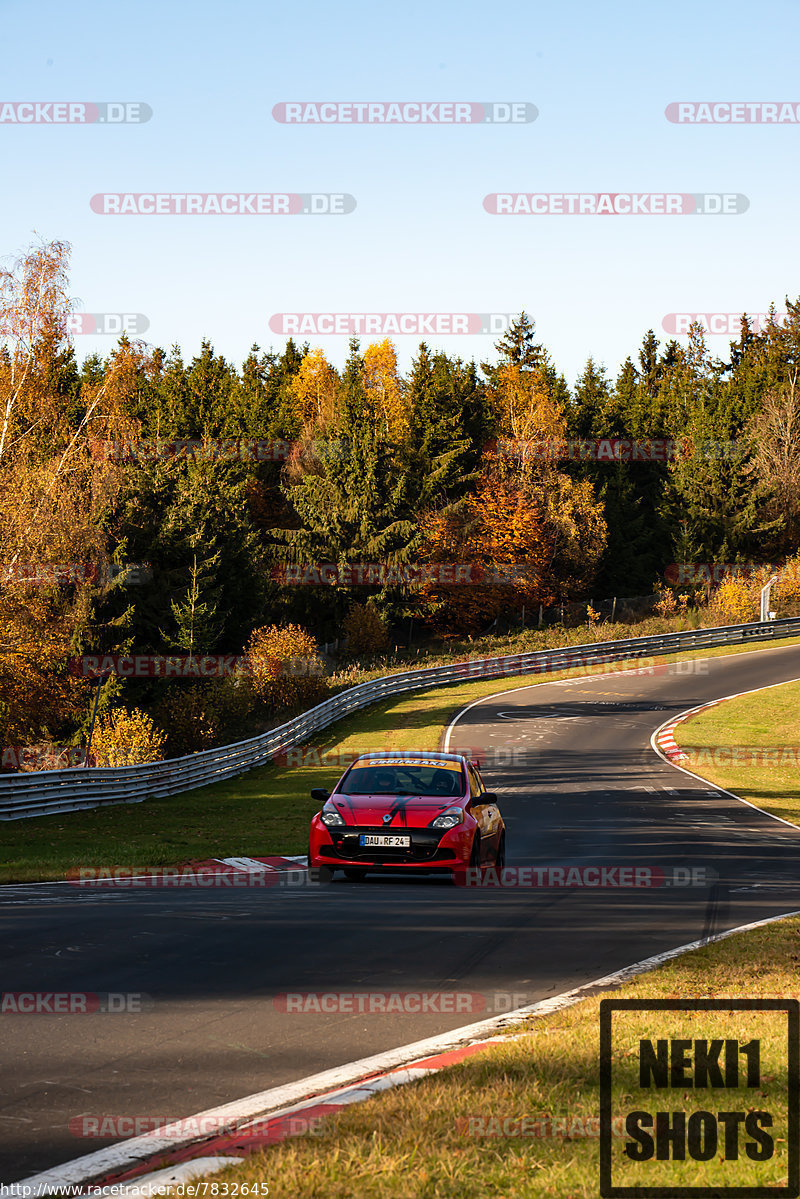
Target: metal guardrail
{"points": [[47, 792]]}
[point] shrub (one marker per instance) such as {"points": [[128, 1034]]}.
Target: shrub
{"points": [[204, 715], [286, 669], [127, 738], [365, 630], [736, 600]]}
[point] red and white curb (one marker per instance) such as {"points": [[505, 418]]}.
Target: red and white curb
{"points": [[663, 742], [168, 1154], [664, 737], [275, 863]]}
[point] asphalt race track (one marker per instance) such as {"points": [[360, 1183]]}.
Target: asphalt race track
{"points": [[580, 787]]}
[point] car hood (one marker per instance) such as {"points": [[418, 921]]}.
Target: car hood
{"points": [[407, 811]]}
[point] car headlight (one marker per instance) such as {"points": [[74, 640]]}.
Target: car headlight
{"points": [[448, 819], [331, 818]]}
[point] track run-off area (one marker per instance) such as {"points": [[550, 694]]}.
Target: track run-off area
{"points": [[215, 993]]}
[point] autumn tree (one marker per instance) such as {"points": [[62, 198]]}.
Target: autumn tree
{"points": [[775, 436], [314, 390], [384, 391]]}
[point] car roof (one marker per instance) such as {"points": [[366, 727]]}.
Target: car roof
{"points": [[413, 755]]}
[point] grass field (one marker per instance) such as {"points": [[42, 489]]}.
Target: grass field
{"points": [[520, 1120], [266, 811], [767, 719]]}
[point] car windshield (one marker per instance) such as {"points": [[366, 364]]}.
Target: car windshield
{"points": [[404, 778]]}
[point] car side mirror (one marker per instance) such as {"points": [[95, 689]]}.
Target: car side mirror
{"points": [[489, 797], [320, 794]]}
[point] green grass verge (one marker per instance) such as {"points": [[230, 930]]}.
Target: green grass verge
{"points": [[266, 811], [767, 719], [434, 1139]]}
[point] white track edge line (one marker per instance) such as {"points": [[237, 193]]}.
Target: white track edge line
{"points": [[712, 703]]}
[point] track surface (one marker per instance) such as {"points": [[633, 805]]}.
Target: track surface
{"points": [[583, 788]]}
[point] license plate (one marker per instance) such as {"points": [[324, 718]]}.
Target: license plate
{"points": [[385, 840]]}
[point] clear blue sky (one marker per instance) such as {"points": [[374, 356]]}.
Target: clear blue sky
{"points": [[600, 75]]}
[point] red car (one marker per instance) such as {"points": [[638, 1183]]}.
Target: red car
{"points": [[420, 811]]}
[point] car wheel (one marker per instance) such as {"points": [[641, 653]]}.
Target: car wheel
{"points": [[318, 874], [355, 876], [500, 857], [462, 873]]}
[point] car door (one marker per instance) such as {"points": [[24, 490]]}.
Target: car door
{"points": [[485, 810], [482, 811]]}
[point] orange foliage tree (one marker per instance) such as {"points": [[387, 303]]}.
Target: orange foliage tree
{"points": [[55, 489], [38, 694], [533, 533]]}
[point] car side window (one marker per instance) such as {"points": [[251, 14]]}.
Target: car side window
{"points": [[475, 785]]}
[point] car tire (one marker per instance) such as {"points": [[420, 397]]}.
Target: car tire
{"points": [[461, 872], [355, 876], [500, 857], [319, 874]]}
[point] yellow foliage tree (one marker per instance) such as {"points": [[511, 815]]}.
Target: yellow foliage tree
{"points": [[384, 390], [286, 669], [127, 738], [314, 391], [527, 416], [737, 598], [786, 592]]}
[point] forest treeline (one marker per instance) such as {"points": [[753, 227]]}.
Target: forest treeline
{"points": [[441, 464]]}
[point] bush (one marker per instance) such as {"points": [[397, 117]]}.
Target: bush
{"points": [[365, 630], [737, 599], [286, 669], [124, 738], [204, 715]]}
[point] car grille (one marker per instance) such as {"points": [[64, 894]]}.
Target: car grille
{"points": [[423, 848]]}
